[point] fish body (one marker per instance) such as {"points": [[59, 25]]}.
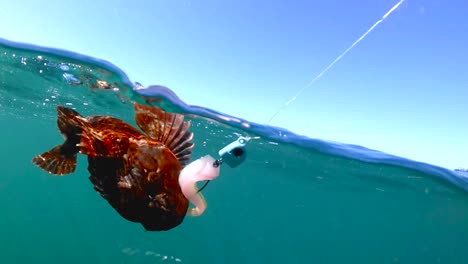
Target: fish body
{"points": [[137, 172]]}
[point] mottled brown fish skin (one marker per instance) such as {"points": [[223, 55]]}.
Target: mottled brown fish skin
{"points": [[148, 191], [135, 172]]}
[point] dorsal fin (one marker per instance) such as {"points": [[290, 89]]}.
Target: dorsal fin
{"points": [[167, 128]]}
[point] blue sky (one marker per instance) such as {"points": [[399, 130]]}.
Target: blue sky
{"points": [[403, 89]]}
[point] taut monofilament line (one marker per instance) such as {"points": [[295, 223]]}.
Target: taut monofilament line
{"points": [[300, 91]]}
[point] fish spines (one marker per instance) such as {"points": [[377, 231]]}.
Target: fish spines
{"points": [[167, 128]]}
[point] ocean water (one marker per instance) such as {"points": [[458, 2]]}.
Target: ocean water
{"points": [[294, 199]]}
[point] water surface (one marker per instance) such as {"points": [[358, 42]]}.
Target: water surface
{"points": [[294, 200]]}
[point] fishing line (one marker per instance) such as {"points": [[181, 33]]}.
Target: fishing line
{"points": [[299, 92]]}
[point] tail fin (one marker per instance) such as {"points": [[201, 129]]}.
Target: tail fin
{"points": [[62, 158], [167, 128], [55, 162]]}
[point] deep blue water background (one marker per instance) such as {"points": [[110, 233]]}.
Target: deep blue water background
{"points": [[294, 200]]}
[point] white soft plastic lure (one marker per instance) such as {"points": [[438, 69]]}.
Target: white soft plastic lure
{"points": [[201, 169]]}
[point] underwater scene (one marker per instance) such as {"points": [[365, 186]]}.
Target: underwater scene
{"points": [[287, 199]]}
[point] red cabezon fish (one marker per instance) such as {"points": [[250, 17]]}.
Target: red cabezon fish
{"points": [[143, 175]]}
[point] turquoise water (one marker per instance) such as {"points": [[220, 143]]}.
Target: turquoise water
{"points": [[294, 200]]}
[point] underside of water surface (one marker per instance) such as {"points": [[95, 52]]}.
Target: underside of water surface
{"points": [[293, 200]]}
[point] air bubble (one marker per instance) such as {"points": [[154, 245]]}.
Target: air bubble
{"points": [[64, 67], [71, 79]]}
